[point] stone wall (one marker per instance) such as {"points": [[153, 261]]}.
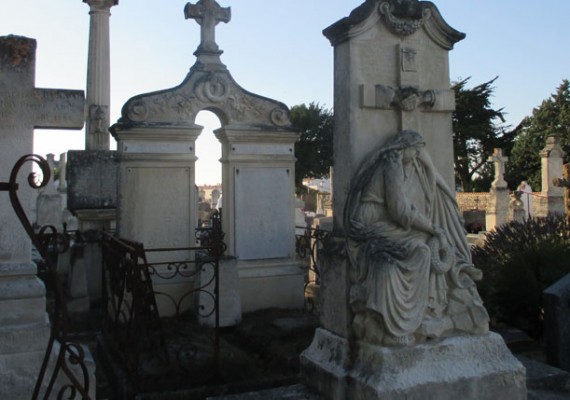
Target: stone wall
{"points": [[469, 201]]}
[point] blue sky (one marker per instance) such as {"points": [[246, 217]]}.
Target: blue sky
{"points": [[275, 48]]}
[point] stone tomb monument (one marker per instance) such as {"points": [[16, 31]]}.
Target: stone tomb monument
{"points": [[24, 327], [401, 315], [156, 142], [498, 205]]}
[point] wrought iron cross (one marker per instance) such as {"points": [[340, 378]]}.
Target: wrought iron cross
{"points": [[207, 14]]}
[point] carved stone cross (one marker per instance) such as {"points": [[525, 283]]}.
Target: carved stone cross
{"points": [[23, 108], [407, 99], [208, 14], [499, 161]]}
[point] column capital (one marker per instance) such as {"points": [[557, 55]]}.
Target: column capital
{"points": [[101, 5]]}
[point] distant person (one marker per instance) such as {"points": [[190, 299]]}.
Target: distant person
{"points": [[526, 198]]}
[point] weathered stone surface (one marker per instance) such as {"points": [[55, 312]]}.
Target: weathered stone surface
{"points": [[551, 199], [379, 55], [408, 258], [23, 107], [156, 137], [557, 323], [466, 367], [335, 313], [91, 179]]}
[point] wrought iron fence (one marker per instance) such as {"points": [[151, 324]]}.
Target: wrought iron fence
{"points": [[66, 361], [309, 246], [155, 349]]}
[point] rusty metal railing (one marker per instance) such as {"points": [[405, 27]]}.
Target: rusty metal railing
{"points": [[309, 246], [135, 332]]}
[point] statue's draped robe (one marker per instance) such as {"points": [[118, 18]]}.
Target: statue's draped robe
{"points": [[393, 272]]}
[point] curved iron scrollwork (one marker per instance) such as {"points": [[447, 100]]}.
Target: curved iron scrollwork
{"points": [[310, 243], [49, 243]]}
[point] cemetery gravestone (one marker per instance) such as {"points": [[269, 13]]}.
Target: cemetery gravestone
{"points": [[557, 323], [498, 205], [551, 199], [157, 201], [401, 316], [23, 107]]}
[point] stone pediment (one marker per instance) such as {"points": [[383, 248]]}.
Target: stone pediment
{"points": [[403, 18], [206, 87]]}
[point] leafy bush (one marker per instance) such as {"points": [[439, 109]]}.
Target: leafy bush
{"points": [[519, 260]]}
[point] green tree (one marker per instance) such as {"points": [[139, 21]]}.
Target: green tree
{"points": [[552, 117], [477, 130], [314, 149]]}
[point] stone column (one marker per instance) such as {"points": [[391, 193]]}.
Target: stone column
{"points": [[98, 76], [62, 164], [498, 205], [551, 199], [93, 171]]}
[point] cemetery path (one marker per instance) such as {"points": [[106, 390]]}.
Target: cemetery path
{"points": [[259, 353]]}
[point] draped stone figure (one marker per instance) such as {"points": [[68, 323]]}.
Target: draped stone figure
{"points": [[411, 273]]}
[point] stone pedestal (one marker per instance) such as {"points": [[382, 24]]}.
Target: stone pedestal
{"points": [[92, 197], [497, 210], [24, 329], [229, 295], [463, 367], [551, 199]]}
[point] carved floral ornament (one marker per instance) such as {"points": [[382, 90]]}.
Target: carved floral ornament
{"points": [[404, 17], [211, 90]]}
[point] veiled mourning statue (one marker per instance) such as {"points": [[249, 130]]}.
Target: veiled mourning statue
{"points": [[412, 278]]}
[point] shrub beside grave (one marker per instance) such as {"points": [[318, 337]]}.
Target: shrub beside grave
{"points": [[519, 260]]}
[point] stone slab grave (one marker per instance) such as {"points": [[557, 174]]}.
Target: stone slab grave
{"points": [[551, 199], [401, 317], [24, 326], [157, 198]]}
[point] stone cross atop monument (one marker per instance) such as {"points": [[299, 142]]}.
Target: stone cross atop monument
{"points": [[207, 13], [500, 161]]}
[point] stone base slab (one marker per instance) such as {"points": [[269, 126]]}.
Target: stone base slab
{"points": [[465, 367], [269, 283]]}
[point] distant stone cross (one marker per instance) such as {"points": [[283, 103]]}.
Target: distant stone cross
{"points": [[499, 161], [208, 14]]}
